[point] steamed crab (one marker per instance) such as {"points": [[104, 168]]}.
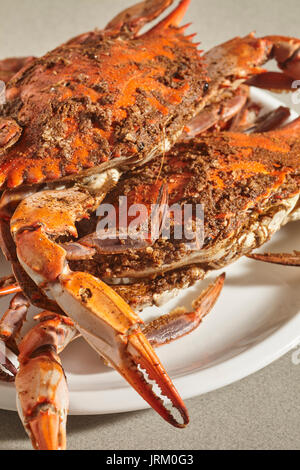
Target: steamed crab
{"points": [[100, 105]]}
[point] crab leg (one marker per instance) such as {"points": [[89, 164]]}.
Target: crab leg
{"points": [[11, 289], [9, 67], [134, 18], [101, 316], [41, 383], [286, 51], [10, 327], [216, 114], [25, 283], [9, 285], [7, 369], [270, 121], [241, 59], [285, 259], [163, 330], [12, 321], [179, 323], [173, 19], [274, 81]]}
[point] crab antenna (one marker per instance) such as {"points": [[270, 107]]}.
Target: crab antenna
{"points": [[173, 19]]}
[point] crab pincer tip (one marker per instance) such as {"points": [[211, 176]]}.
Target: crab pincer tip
{"points": [[173, 19], [149, 378]]}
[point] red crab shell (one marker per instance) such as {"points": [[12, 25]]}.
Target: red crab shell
{"points": [[100, 100]]}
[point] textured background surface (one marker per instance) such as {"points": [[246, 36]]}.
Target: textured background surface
{"points": [[261, 411]]}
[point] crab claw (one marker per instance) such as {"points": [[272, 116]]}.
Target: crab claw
{"points": [[286, 51], [103, 318], [115, 332], [41, 384]]}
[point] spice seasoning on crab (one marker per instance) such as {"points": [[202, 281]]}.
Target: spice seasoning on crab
{"points": [[104, 98], [249, 186]]}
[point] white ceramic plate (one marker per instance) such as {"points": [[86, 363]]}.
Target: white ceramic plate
{"points": [[256, 320]]}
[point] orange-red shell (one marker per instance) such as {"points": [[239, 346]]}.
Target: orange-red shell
{"points": [[100, 97]]}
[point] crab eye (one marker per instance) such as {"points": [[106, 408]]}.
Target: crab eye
{"points": [[206, 87]]}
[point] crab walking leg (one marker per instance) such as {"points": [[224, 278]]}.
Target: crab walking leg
{"points": [[217, 114], [10, 289], [103, 318], [9, 285], [41, 384], [286, 51], [135, 17], [240, 60], [10, 326], [269, 122], [237, 114], [7, 369], [179, 323], [173, 19], [12, 321], [285, 259], [9, 67]]}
